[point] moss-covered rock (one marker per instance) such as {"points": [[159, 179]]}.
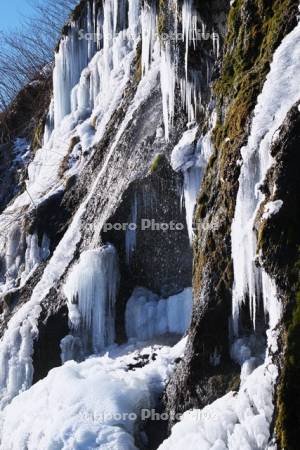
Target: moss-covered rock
{"points": [[156, 162]]}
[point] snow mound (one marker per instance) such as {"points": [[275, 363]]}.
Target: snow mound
{"points": [[95, 404]]}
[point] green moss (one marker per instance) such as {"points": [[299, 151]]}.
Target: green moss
{"points": [[138, 64], [249, 45], [157, 162], [162, 22], [37, 138], [255, 29], [65, 162], [234, 384]]}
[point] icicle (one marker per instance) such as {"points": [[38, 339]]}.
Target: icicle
{"points": [[168, 81], [148, 26], [216, 43], [91, 290], [72, 57], [133, 18], [189, 29], [13, 254], [191, 159], [49, 126]]}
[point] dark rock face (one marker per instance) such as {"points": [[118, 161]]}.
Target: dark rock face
{"points": [[24, 118], [161, 259], [52, 329]]}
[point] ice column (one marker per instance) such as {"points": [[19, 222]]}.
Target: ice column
{"points": [[91, 290]]}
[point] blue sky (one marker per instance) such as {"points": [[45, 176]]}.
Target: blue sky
{"points": [[11, 13]]}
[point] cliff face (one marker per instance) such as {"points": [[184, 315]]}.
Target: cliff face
{"points": [[181, 119]]}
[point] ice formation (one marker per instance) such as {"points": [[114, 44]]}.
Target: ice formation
{"points": [[22, 256], [95, 404], [91, 290], [190, 84], [147, 316], [190, 156], [63, 410], [280, 92]]}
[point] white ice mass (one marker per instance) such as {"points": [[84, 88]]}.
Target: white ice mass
{"points": [[147, 316]]}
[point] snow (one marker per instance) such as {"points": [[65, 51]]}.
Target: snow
{"points": [[236, 421], [147, 316], [91, 289], [272, 208], [95, 404]]}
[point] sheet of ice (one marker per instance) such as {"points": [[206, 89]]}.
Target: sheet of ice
{"points": [[280, 92], [95, 404], [147, 316], [91, 289]]}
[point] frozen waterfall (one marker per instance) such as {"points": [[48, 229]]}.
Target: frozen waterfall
{"points": [[91, 289]]}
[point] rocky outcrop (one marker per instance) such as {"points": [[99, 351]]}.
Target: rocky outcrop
{"points": [[250, 42]]}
